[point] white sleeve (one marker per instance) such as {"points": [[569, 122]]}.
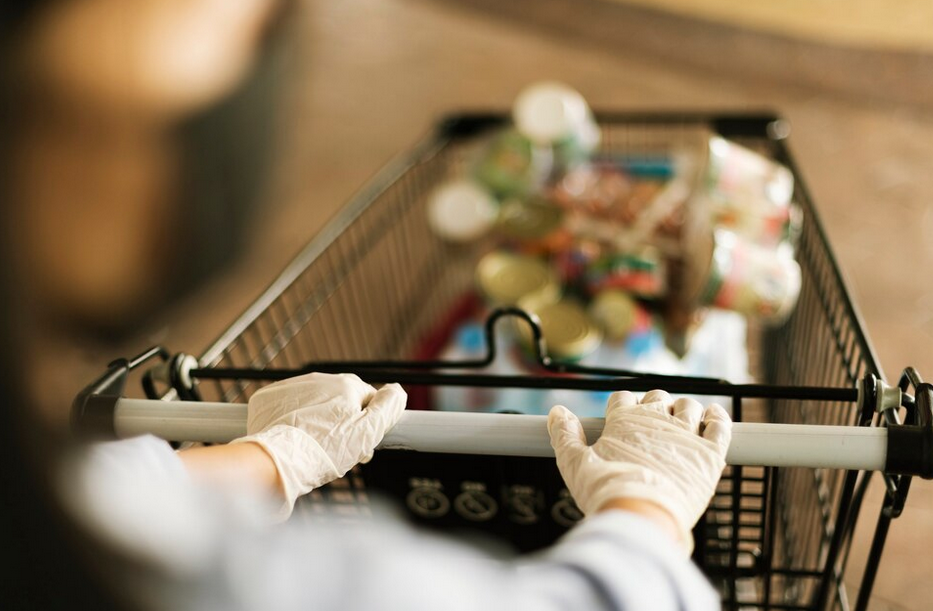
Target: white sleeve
{"points": [[615, 561], [136, 494], [211, 551], [145, 456]]}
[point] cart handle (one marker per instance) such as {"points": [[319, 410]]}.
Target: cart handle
{"points": [[753, 444]]}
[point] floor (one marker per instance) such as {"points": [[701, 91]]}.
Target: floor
{"points": [[873, 23], [372, 76]]}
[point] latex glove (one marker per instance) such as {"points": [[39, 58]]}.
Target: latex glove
{"points": [[318, 426], [671, 453]]}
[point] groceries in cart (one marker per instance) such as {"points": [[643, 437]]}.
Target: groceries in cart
{"points": [[642, 258]]}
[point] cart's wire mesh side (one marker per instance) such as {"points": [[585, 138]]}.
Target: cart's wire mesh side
{"points": [[372, 293], [820, 345], [379, 280], [385, 280]]}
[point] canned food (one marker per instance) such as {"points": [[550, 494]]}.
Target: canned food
{"points": [[505, 279], [555, 115], [528, 219], [756, 281], [569, 333], [618, 314], [548, 112], [461, 211], [513, 166]]}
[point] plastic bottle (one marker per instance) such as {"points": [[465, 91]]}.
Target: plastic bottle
{"points": [[468, 344]]}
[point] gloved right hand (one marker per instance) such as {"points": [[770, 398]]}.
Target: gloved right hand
{"points": [[670, 453], [318, 426]]}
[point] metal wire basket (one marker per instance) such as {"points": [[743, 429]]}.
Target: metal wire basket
{"points": [[370, 289]]}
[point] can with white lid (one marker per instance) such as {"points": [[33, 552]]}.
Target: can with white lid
{"points": [[553, 114]]}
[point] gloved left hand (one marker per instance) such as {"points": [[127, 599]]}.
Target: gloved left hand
{"points": [[316, 427]]}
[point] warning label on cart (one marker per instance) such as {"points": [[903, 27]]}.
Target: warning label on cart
{"points": [[426, 498], [474, 504]]}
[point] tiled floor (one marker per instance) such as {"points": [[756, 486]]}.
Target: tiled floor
{"points": [[371, 76]]}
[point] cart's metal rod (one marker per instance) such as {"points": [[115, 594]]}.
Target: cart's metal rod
{"points": [[774, 445], [675, 385]]}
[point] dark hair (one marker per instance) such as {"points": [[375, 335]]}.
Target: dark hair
{"points": [[40, 545], [44, 567], [49, 552]]}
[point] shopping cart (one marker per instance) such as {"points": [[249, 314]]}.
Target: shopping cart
{"points": [[370, 292]]}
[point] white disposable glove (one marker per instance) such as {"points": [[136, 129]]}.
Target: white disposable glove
{"points": [[671, 453], [316, 427]]}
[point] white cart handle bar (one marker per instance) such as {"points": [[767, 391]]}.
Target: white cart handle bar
{"points": [[771, 445]]}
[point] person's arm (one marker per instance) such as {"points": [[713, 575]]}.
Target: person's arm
{"points": [[252, 464], [208, 551], [249, 464], [628, 555], [302, 433], [614, 561], [653, 512], [243, 464], [625, 555]]}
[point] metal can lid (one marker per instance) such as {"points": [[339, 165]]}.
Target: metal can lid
{"points": [[615, 312], [568, 331], [461, 211], [506, 278], [528, 219]]}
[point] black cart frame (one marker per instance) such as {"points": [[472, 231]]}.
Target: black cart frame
{"points": [[369, 287]]}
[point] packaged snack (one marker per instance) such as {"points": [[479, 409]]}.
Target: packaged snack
{"points": [[748, 193], [600, 190], [606, 205], [643, 167], [571, 260], [755, 281], [641, 272]]}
